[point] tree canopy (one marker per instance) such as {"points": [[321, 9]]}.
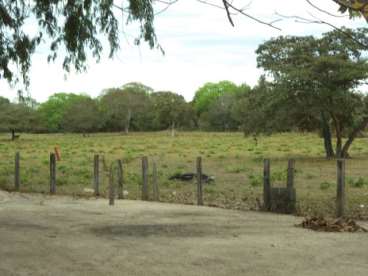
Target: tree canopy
{"points": [[81, 116], [17, 117], [52, 111], [210, 92], [316, 79], [75, 30], [171, 110]]}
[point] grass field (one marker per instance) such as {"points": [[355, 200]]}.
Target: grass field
{"points": [[235, 161]]}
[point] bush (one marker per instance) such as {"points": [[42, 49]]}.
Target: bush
{"points": [[325, 185], [357, 183], [255, 180]]}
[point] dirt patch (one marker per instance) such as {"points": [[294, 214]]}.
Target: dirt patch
{"points": [[163, 230], [64, 236], [21, 226]]}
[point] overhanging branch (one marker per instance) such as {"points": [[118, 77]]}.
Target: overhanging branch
{"points": [[324, 11], [299, 19], [229, 7]]}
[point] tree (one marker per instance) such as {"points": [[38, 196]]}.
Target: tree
{"points": [[82, 116], [78, 29], [17, 117], [319, 77], [70, 27], [170, 110], [219, 116], [213, 103], [52, 111], [210, 92], [354, 7], [123, 106]]}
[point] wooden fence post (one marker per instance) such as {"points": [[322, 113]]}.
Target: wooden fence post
{"points": [[120, 180], [199, 182], [144, 178], [340, 199], [17, 172], [266, 185], [290, 174], [52, 173], [96, 174], [111, 187], [290, 186], [156, 192]]}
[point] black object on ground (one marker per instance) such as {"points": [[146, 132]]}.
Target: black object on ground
{"points": [[191, 176]]}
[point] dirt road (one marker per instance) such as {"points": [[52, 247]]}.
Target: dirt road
{"points": [[42, 235]]}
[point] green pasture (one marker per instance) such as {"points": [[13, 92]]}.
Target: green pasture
{"points": [[235, 162]]}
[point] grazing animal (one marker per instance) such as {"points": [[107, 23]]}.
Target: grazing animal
{"points": [[191, 176]]}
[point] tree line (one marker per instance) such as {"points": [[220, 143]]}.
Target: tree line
{"points": [[309, 84], [133, 106]]}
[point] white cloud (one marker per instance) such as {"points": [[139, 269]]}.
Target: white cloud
{"points": [[200, 46]]}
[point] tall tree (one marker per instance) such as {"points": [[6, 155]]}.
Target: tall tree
{"points": [[82, 116], [171, 110], [320, 76], [213, 103], [122, 106], [17, 118], [52, 111], [210, 92]]}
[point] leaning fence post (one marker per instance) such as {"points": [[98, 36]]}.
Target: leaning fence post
{"points": [[199, 181], [266, 185], [340, 199], [156, 193], [96, 174], [111, 187], [52, 173], [17, 172], [120, 180], [144, 178]]}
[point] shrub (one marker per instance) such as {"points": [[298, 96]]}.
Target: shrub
{"points": [[325, 185], [356, 183], [255, 180]]}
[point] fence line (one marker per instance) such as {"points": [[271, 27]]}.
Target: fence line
{"points": [[269, 194]]}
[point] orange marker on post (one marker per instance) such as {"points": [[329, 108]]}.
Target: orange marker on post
{"points": [[57, 153]]}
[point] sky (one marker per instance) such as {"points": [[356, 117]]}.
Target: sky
{"points": [[200, 46]]}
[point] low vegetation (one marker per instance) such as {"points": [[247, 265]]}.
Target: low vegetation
{"points": [[235, 162]]}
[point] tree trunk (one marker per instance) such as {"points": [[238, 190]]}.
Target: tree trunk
{"points": [[338, 131], [12, 134], [172, 129], [352, 136], [127, 122], [327, 137]]}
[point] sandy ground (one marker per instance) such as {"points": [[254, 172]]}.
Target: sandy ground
{"points": [[43, 235]]}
